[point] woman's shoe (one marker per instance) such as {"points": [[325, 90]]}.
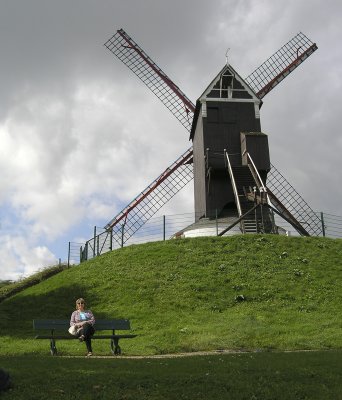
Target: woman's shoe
{"points": [[89, 354], [81, 338]]}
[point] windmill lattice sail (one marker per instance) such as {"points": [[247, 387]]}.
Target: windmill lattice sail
{"points": [[178, 174], [266, 77], [128, 51], [289, 198], [159, 192]]}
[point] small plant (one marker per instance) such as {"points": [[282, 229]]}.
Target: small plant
{"points": [[298, 272], [239, 298], [216, 308], [261, 239], [283, 255]]}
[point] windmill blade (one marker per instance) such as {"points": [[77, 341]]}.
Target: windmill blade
{"points": [[128, 51], [150, 200], [280, 64], [287, 196]]}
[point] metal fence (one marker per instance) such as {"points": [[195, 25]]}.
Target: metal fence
{"points": [[179, 226]]}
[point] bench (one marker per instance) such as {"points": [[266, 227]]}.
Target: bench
{"points": [[55, 326]]}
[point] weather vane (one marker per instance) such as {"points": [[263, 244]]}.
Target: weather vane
{"points": [[227, 63]]}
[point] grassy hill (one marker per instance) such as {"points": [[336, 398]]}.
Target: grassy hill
{"points": [[9, 288], [244, 292]]}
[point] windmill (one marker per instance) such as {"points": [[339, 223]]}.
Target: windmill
{"points": [[229, 160]]}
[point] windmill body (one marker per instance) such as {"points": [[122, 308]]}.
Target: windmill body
{"points": [[227, 117]]}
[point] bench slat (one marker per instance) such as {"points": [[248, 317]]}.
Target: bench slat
{"points": [[113, 336], [70, 337], [50, 324], [100, 325], [119, 324]]}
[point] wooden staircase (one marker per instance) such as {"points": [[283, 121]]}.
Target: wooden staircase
{"points": [[260, 219]]}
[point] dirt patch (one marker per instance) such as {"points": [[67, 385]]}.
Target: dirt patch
{"points": [[193, 354]]}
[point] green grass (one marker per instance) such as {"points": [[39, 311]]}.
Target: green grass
{"points": [[9, 288], [261, 293], [5, 283], [182, 295], [255, 376]]}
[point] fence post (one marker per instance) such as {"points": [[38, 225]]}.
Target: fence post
{"points": [[164, 225], [86, 252], [94, 246], [111, 239], [122, 234], [98, 245], [322, 221], [69, 255], [216, 222]]}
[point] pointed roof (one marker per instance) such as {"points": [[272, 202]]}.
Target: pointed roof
{"points": [[227, 86]]}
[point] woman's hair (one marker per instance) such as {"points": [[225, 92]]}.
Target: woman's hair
{"points": [[79, 301]]}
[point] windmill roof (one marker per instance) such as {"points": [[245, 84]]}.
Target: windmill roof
{"points": [[207, 93]]}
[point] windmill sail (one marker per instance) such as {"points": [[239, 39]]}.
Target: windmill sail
{"points": [[287, 197], [128, 51], [150, 200], [280, 64], [179, 173]]}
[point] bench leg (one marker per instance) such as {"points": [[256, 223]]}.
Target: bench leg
{"points": [[53, 348], [114, 346]]}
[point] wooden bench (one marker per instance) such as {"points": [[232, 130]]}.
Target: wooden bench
{"points": [[55, 326]]}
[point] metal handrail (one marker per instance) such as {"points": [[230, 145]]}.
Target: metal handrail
{"points": [[233, 184], [262, 187]]}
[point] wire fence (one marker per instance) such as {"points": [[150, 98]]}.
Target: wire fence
{"points": [[178, 226]]}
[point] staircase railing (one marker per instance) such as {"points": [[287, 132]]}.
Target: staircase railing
{"points": [[275, 201], [262, 188], [257, 178], [236, 194]]}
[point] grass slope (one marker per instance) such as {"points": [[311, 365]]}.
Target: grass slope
{"points": [[183, 295], [9, 288]]}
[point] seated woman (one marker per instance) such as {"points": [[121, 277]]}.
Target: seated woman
{"points": [[83, 320]]}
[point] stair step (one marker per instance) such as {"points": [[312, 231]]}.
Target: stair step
{"points": [[250, 225]]}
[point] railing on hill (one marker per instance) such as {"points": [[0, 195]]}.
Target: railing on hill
{"points": [[167, 227]]}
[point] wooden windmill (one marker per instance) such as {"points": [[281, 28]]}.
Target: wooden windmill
{"points": [[229, 160]]}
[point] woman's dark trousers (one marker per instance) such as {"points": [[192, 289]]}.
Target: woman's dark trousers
{"points": [[87, 331]]}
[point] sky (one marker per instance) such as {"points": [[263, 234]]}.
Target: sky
{"points": [[81, 136]]}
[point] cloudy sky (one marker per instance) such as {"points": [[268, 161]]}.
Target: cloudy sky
{"points": [[80, 135]]}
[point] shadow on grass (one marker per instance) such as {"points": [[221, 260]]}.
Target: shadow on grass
{"points": [[281, 376], [18, 312]]}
